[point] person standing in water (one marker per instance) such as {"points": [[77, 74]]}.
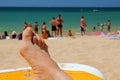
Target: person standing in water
{"points": [[59, 25], [109, 25], [82, 25], [53, 24]]}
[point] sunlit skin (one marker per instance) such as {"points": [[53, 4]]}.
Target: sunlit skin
{"points": [[35, 51]]}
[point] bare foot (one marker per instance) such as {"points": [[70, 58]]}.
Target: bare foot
{"points": [[35, 51]]}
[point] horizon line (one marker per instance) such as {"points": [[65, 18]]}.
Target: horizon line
{"points": [[53, 7]]}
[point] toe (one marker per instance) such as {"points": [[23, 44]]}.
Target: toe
{"points": [[28, 34]]}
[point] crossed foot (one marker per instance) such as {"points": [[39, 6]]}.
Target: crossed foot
{"points": [[35, 51]]}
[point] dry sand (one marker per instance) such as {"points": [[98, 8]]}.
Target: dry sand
{"points": [[102, 53]]}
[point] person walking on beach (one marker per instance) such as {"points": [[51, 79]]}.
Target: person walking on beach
{"points": [[59, 25], [82, 25], [36, 27], [35, 51], [53, 24], [109, 25]]}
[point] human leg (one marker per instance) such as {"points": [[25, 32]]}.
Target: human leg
{"points": [[34, 50]]}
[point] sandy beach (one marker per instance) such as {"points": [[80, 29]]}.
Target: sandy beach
{"points": [[99, 52]]}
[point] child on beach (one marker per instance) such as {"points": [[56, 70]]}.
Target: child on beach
{"points": [[70, 33], [44, 35]]}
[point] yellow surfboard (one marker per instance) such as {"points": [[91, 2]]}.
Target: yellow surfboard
{"points": [[76, 71]]}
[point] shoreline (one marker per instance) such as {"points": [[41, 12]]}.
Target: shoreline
{"points": [[65, 31]]}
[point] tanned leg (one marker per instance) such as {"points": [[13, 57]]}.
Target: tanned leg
{"points": [[35, 51]]}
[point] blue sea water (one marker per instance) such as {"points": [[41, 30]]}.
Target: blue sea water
{"points": [[12, 18]]}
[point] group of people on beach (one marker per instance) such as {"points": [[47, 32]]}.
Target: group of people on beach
{"points": [[35, 51], [101, 26], [44, 67], [56, 27], [12, 35]]}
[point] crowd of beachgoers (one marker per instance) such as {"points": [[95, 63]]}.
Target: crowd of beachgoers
{"points": [[56, 30]]}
